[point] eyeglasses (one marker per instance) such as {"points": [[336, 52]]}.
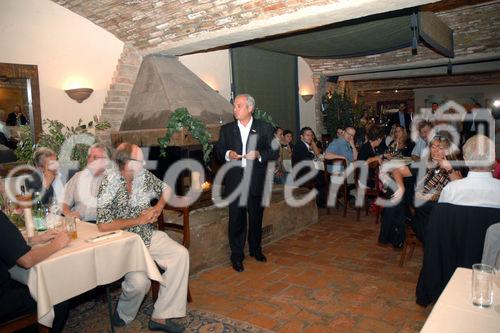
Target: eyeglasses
{"points": [[440, 137], [140, 161]]}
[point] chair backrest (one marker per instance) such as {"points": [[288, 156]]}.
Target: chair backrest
{"points": [[373, 171], [454, 238], [491, 249], [331, 162]]}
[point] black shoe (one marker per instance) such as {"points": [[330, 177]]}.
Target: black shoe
{"points": [[259, 257], [117, 321], [238, 266], [169, 326]]}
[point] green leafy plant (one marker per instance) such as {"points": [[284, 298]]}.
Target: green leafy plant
{"points": [[264, 116], [341, 112], [55, 136], [25, 146], [181, 118]]}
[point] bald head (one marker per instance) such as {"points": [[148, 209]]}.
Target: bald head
{"points": [[126, 153]]}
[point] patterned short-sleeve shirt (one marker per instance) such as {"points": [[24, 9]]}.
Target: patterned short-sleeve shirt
{"points": [[114, 201]]}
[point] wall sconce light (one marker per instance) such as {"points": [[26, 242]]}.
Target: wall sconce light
{"points": [[79, 94], [307, 97]]}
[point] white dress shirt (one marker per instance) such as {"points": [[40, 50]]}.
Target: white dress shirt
{"points": [[81, 193], [244, 132], [478, 189]]}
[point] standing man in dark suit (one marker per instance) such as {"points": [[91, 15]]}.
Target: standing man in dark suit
{"points": [[401, 117], [246, 143]]}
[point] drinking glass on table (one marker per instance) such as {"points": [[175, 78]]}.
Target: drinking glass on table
{"points": [[497, 270], [482, 285], [70, 223]]}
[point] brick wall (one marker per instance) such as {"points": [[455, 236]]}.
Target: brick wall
{"points": [[119, 91]]}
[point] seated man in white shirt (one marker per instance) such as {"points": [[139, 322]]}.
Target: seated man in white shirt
{"points": [[479, 188], [80, 194]]}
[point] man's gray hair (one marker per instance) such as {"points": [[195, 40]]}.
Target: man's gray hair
{"points": [[250, 100], [41, 154], [102, 146], [479, 148]]}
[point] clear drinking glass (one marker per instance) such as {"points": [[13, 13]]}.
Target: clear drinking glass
{"points": [[482, 285], [70, 223]]}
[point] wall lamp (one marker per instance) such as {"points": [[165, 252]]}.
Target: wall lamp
{"points": [[79, 94], [307, 97]]}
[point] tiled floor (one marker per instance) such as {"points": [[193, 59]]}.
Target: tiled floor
{"points": [[331, 277]]}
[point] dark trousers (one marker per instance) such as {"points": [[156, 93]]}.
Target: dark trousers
{"points": [[238, 227], [16, 301]]}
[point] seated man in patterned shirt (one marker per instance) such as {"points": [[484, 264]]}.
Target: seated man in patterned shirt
{"points": [[124, 203]]}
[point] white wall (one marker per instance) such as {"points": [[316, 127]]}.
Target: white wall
{"points": [[213, 68], [69, 50], [306, 86]]}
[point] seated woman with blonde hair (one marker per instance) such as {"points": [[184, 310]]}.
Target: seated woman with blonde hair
{"points": [[438, 173]]}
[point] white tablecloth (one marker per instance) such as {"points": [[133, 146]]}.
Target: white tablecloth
{"points": [[454, 312], [82, 266]]}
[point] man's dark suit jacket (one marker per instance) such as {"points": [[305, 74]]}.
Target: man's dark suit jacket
{"points": [[230, 139], [301, 153], [394, 119], [468, 131]]}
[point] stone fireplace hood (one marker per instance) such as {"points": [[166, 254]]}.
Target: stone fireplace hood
{"points": [[163, 84]]}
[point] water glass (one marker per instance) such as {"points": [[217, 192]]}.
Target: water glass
{"points": [[482, 285], [70, 223]]}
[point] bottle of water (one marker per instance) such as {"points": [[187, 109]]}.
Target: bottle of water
{"points": [[39, 215]]}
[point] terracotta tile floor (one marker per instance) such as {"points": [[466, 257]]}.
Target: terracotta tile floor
{"points": [[331, 277]]}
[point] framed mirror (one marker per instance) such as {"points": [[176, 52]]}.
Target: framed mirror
{"points": [[20, 104]]}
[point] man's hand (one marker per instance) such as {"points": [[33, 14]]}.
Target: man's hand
{"points": [[73, 214], [43, 238], [156, 211], [445, 164], [147, 216], [61, 240], [234, 155], [252, 155]]}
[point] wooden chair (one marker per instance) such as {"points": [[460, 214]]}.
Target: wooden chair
{"points": [[186, 234], [343, 191], [411, 241], [21, 322], [369, 192]]}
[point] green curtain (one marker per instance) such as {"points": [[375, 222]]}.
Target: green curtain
{"points": [[271, 78], [364, 36]]}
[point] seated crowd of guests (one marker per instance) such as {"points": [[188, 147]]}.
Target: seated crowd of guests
{"points": [[120, 195], [432, 166]]}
